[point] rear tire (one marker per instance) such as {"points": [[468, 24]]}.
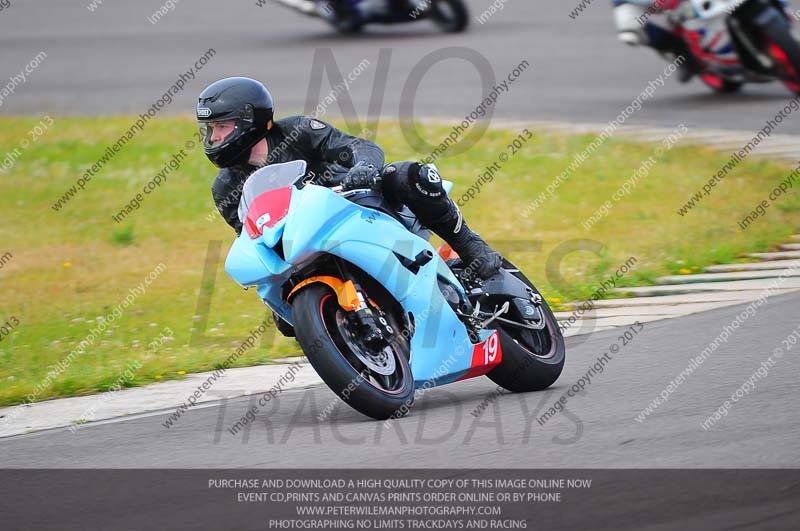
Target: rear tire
{"points": [[318, 325], [529, 363], [450, 16]]}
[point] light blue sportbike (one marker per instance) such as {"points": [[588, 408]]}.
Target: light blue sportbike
{"points": [[377, 311]]}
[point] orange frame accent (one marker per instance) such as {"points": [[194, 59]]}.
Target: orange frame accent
{"points": [[446, 252], [346, 292]]}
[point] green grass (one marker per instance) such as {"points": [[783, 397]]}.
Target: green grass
{"points": [[123, 236], [70, 267]]}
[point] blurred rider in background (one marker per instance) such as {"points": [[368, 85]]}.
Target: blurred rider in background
{"points": [[635, 26], [349, 8]]}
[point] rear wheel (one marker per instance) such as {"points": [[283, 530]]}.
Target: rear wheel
{"points": [[377, 383], [450, 15], [780, 44], [532, 359]]}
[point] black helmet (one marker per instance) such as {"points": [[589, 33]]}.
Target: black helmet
{"points": [[248, 104]]}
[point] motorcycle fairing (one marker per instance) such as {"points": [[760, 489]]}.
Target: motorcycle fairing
{"points": [[319, 221], [486, 355]]}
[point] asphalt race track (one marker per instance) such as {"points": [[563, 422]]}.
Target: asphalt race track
{"points": [[597, 429], [113, 60]]}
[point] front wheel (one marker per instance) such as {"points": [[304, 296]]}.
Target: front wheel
{"points": [[378, 384], [450, 15], [784, 49], [532, 359]]}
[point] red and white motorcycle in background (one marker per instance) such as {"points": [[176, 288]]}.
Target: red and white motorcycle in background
{"points": [[739, 41]]}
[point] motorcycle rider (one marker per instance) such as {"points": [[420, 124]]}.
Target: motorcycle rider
{"points": [[348, 8], [634, 27], [235, 116], [633, 19]]}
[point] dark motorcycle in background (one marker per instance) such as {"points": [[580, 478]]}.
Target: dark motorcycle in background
{"points": [[350, 16], [739, 41]]}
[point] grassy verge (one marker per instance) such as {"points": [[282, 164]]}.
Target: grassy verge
{"points": [[68, 268]]}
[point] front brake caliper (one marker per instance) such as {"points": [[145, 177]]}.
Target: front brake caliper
{"points": [[371, 323]]}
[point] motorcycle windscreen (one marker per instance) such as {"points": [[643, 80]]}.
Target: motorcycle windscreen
{"points": [[255, 193]]}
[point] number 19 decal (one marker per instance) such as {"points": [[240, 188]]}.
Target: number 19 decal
{"points": [[490, 349]]}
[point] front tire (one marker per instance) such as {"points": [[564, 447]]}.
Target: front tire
{"points": [[335, 353], [784, 49], [532, 359]]}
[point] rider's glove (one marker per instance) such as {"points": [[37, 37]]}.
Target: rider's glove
{"points": [[362, 175]]}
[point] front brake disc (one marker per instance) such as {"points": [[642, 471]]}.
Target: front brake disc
{"points": [[382, 362]]}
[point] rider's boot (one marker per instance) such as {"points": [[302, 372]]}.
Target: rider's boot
{"points": [[475, 253], [439, 213]]}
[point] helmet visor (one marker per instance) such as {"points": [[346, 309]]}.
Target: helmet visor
{"points": [[219, 133]]}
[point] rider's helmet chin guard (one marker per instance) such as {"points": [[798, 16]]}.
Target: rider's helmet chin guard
{"points": [[243, 102]]}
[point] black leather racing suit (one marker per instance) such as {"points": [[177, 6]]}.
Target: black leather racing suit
{"points": [[330, 153]]}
